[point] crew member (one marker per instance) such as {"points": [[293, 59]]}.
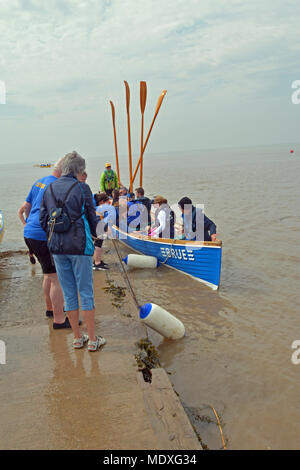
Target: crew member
{"points": [[36, 240], [192, 216], [106, 215], [140, 197], [109, 180], [164, 219]]}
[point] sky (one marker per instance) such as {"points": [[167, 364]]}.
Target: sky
{"points": [[227, 65]]}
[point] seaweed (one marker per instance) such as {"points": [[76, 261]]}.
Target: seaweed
{"points": [[147, 358], [118, 293]]}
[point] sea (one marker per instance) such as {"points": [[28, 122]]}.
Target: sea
{"points": [[239, 355]]}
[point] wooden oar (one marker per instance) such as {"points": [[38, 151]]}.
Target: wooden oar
{"points": [[159, 102], [115, 139], [143, 98], [129, 136]]}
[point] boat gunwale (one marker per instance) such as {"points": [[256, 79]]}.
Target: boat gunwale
{"points": [[171, 241]]}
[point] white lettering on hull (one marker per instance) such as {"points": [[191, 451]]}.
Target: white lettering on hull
{"points": [[178, 253]]}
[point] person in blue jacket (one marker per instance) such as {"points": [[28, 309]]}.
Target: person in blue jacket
{"points": [[36, 241], [206, 229], [137, 213], [71, 245]]}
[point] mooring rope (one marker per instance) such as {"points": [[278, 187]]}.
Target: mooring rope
{"points": [[126, 276], [169, 254]]}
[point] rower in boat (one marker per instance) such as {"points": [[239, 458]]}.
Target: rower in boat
{"points": [[123, 191], [196, 225], [137, 217], [164, 219]]}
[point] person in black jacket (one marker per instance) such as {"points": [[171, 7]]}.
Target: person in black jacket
{"points": [[67, 215], [196, 225]]}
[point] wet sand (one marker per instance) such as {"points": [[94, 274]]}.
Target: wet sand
{"points": [[53, 397]]}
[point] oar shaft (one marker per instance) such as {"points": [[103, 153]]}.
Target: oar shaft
{"points": [[143, 99], [142, 144], [127, 90], [144, 148], [160, 100], [115, 139], [129, 150]]}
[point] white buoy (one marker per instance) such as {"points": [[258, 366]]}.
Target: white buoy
{"points": [[141, 261], [162, 321]]}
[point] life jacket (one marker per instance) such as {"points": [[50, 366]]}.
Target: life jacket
{"points": [[170, 221], [109, 179]]}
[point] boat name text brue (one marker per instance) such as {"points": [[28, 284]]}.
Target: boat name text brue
{"points": [[185, 254]]}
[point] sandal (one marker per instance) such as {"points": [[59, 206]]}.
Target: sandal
{"points": [[94, 345], [78, 343]]}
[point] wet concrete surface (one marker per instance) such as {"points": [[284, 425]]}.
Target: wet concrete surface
{"points": [[55, 397]]}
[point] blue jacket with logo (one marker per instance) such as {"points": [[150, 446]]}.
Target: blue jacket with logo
{"points": [[80, 208], [33, 227]]}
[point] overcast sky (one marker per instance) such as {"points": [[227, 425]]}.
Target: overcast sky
{"points": [[228, 66]]}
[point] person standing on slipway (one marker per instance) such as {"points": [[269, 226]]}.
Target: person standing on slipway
{"points": [[36, 240], [68, 216]]}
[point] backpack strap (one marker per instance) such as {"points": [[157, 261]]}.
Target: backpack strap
{"points": [[67, 194], [69, 190]]}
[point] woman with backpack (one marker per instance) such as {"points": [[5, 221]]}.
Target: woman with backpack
{"points": [[68, 217]]}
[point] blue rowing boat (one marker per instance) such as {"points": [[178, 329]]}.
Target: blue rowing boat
{"points": [[200, 260]]}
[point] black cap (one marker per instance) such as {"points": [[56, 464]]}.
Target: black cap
{"points": [[184, 202]]}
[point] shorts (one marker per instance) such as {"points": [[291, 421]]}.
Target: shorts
{"points": [[40, 249], [98, 242]]}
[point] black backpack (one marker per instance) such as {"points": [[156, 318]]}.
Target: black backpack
{"points": [[60, 220]]}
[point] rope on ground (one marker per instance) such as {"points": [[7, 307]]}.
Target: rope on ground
{"points": [[220, 427], [126, 276]]}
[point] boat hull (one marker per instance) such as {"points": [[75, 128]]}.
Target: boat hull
{"points": [[200, 260]]}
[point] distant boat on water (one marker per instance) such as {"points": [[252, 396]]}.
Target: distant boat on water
{"points": [[44, 165]]}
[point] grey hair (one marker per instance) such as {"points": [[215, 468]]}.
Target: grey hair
{"points": [[72, 163]]}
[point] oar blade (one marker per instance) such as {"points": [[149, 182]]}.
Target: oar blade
{"points": [[143, 96], [127, 95], [160, 100], [112, 111]]}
